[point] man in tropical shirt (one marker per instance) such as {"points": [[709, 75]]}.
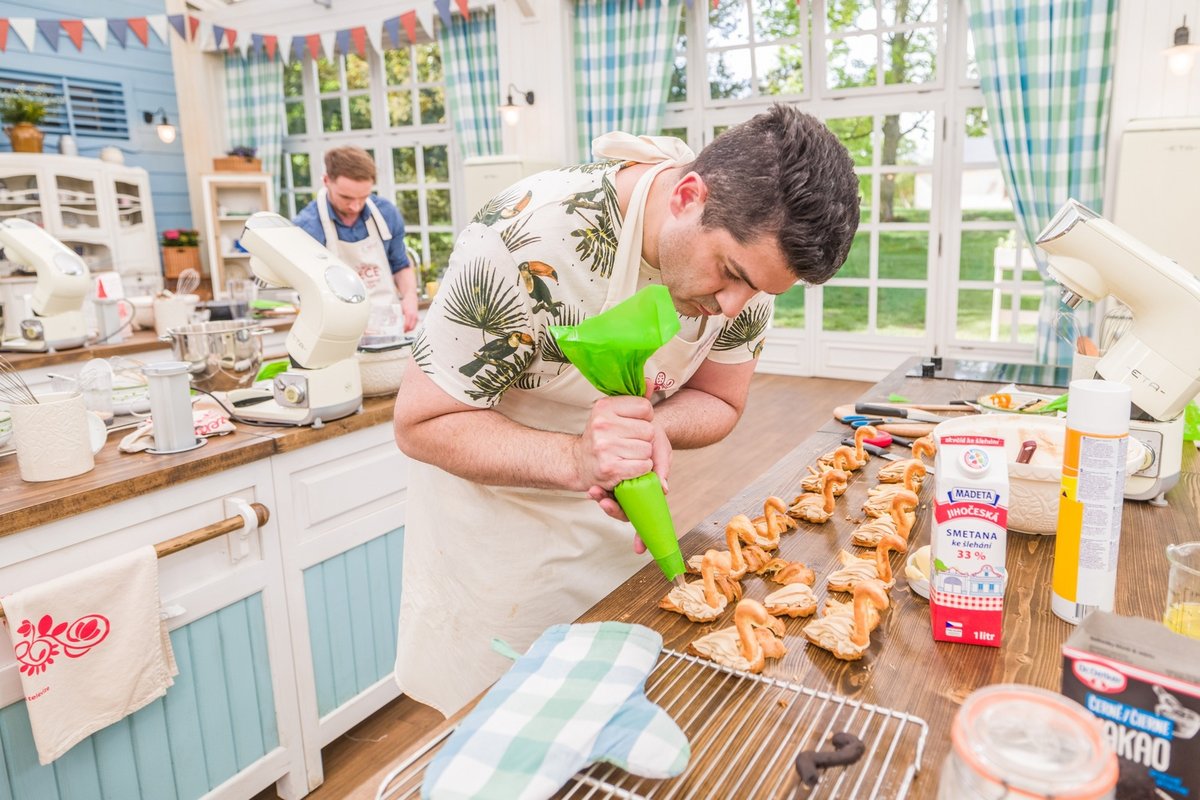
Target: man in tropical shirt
{"points": [[511, 525]]}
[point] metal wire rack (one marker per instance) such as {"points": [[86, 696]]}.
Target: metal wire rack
{"points": [[745, 732]]}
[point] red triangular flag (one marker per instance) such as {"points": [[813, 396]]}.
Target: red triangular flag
{"points": [[74, 29], [100, 293], [230, 38], [359, 37], [3, 35], [269, 44], [462, 8], [193, 24], [141, 29], [409, 20], [313, 41]]}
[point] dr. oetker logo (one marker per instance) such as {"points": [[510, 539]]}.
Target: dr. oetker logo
{"points": [[975, 459]]}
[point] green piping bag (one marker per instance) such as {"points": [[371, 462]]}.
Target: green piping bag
{"points": [[611, 350]]}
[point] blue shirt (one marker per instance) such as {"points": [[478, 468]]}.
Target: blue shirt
{"points": [[310, 220]]}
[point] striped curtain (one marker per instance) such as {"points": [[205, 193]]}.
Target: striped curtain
{"points": [[473, 81], [624, 53], [1046, 73], [254, 98]]}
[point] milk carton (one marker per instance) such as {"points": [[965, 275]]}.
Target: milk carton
{"points": [[967, 574]]}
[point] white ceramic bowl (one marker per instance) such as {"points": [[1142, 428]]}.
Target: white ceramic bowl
{"points": [[382, 372], [1033, 487], [143, 312], [129, 397]]}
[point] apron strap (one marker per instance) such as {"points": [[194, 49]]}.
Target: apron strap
{"points": [[627, 262], [380, 223], [643, 149], [331, 237]]}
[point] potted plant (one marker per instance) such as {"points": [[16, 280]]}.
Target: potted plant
{"points": [[21, 110], [180, 251], [239, 159]]}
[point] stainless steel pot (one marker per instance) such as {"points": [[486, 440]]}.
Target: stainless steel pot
{"points": [[220, 355]]}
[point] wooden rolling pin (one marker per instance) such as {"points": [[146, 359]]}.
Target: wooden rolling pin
{"points": [[912, 430]]}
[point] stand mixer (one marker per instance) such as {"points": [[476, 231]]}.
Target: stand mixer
{"points": [[323, 382], [62, 283], [1092, 258]]}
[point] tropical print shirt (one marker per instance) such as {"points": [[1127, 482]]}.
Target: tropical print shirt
{"points": [[540, 254]]}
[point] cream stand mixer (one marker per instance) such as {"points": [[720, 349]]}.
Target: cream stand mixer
{"points": [[1157, 358], [63, 282], [322, 383]]}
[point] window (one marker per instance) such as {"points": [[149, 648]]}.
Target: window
{"points": [[875, 43], [81, 107], [394, 107]]}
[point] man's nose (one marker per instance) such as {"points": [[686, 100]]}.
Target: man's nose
{"points": [[733, 299]]}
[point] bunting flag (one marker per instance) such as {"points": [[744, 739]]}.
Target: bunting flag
{"points": [[230, 38], [314, 45], [141, 29], [98, 28], [218, 36], [424, 16], [246, 45], [193, 24], [74, 29], [26, 30], [343, 42], [177, 23], [358, 36], [462, 8], [392, 26], [443, 9], [327, 43], [49, 29], [375, 37], [256, 42], [409, 18], [119, 28], [270, 45], [3, 35], [158, 24], [297, 48]]}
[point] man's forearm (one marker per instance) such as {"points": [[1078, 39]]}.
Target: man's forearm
{"points": [[406, 282], [693, 418]]}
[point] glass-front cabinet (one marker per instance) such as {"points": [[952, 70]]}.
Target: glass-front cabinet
{"points": [[77, 205]]}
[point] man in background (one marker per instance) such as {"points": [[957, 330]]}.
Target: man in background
{"points": [[363, 230]]}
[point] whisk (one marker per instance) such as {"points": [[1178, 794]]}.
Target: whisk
{"points": [[187, 282], [1116, 323], [13, 389]]}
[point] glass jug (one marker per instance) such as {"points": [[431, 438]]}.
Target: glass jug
{"points": [[1183, 589]]}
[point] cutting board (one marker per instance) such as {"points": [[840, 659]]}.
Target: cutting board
{"points": [[909, 430]]}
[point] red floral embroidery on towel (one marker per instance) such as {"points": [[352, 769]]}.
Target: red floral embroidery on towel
{"points": [[45, 640], [661, 382]]}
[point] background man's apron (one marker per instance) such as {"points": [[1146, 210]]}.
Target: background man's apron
{"points": [[486, 561], [368, 257]]}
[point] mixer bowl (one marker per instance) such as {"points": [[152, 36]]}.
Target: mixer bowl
{"points": [[221, 356]]}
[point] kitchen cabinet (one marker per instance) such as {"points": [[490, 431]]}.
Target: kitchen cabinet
{"points": [[229, 198], [285, 638]]}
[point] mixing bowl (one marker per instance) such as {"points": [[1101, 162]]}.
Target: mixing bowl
{"points": [[381, 371], [1033, 487], [221, 355]]}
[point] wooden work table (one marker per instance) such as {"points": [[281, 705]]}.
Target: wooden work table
{"points": [[905, 669]]}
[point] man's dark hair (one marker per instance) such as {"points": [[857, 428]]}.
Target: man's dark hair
{"points": [[783, 173]]}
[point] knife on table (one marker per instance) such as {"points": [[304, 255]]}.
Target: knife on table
{"points": [[913, 414], [886, 455]]}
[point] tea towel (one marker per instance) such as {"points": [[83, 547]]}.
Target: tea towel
{"points": [[92, 648], [575, 698]]}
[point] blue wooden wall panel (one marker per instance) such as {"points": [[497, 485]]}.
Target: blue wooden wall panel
{"points": [[176, 748], [353, 600], [149, 80]]}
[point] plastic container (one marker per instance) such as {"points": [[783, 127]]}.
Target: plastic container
{"points": [[171, 407], [1016, 741]]}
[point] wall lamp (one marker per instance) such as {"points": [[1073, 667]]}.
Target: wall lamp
{"points": [[510, 112], [166, 131], [1181, 56]]}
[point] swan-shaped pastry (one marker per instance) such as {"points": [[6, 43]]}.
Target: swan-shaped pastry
{"points": [[855, 570], [899, 522], [846, 607], [894, 472], [699, 601], [774, 520], [733, 564], [793, 600], [748, 644], [842, 459], [860, 455], [879, 498], [756, 557], [818, 508], [766, 537], [782, 571], [848, 636]]}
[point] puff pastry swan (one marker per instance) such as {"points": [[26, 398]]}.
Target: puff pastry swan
{"points": [[848, 636], [754, 637]]}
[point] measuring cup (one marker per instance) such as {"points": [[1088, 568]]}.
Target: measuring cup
{"points": [[1183, 589]]}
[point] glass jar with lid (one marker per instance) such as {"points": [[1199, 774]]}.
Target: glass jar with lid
{"points": [[1016, 741]]}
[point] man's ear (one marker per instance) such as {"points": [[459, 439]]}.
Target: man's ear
{"points": [[688, 194]]}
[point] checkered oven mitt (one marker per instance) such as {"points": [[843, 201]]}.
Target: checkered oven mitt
{"points": [[574, 699]]}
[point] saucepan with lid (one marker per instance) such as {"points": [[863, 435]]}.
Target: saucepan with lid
{"points": [[221, 356]]}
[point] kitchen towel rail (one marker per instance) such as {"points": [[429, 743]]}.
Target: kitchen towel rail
{"points": [[185, 540]]}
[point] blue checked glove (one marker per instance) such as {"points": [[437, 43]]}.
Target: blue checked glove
{"points": [[576, 698]]}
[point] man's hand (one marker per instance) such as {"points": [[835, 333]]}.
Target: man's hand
{"points": [[619, 442], [408, 304]]}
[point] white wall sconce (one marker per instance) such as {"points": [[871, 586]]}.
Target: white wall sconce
{"points": [[1181, 56], [510, 112], [166, 131]]}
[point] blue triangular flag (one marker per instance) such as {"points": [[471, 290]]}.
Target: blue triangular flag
{"points": [[176, 21], [50, 29], [218, 36], [119, 28], [343, 41], [297, 48], [443, 8], [256, 42], [392, 26]]}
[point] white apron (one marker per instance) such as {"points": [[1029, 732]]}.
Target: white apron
{"points": [[484, 562], [368, 257]]}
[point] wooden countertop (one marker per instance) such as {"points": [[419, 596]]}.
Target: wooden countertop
{"points": [[904, 668], [119, 476]]}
